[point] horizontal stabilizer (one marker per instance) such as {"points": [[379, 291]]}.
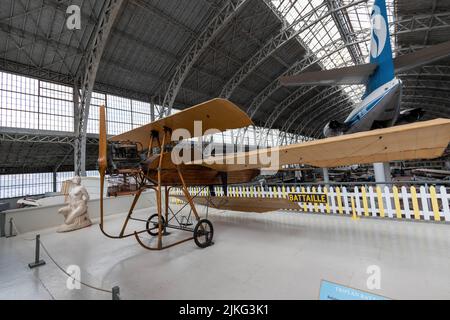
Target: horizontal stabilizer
{"points": [[422, 57], [410, 116], [349, 75]]}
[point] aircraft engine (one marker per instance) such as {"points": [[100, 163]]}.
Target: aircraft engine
{"points": [[123, 155], [333, 129]]}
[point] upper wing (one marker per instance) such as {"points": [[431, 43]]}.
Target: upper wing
{"points": [[348, 75], [217, 114], [420, 140], [422, 57]]}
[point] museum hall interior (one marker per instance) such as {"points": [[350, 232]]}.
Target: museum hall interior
{"points": [[224, 150]]}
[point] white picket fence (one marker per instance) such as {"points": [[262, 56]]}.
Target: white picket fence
{"points": [[429, 203]]}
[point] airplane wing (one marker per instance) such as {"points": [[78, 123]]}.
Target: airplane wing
{"points": [[420, 140], [360, 73], [219, 114], [343, 76], [422, 57]]}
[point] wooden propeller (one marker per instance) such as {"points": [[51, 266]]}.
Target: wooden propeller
{"points": [[102, 157]]}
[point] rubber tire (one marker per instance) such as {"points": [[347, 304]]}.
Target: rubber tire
{"points": [[196, 233], [147, 225]]}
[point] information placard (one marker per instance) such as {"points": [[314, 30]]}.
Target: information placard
{"points": [[334, 291]]}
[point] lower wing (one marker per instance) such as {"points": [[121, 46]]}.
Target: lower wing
{"points": [[259, 205]]}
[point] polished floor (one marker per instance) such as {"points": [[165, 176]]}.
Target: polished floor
{"points": [[273, 256]]}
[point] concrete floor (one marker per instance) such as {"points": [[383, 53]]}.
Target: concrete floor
{"points": [[273, 256]]}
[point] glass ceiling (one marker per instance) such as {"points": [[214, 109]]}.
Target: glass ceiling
{"points": [[320, 33]]}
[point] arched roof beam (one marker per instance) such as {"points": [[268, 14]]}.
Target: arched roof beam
{"points": [[306, 109], [338, 103], [302, 65], [272, 45], [220, 21], [316, 131], [310, 59], [428, 71], [425, 91], [283, 106], [301, 128], [423, 97], [346, 31], [192, 34], [412, 82], [326, 94], [298, 93], [432, 108], [108, 16]]}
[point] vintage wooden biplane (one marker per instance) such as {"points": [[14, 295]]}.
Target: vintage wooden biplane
{"points": [[146, 155]]}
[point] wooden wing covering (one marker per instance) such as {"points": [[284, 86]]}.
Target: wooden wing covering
{"points": [[420, 140], [219, 114]]}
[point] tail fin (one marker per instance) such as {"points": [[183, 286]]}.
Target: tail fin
{"points": [[380, 48]]}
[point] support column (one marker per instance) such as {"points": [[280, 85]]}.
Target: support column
{"points": [[54, 180], [382, 172], [152, 109], [326, 176], [78, 163], [86, 79], [298, 176], [387, 171]]}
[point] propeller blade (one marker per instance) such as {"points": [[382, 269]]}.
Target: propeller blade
{"points": [[102, 147], [102, 157]]}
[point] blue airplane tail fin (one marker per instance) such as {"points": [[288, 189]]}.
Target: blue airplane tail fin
{"points": [[380, 48]]}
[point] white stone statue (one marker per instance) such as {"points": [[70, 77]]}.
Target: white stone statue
{"points": [[75, 213]]}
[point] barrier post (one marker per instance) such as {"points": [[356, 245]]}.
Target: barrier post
{"points": [[116, 293], [37, 261]]}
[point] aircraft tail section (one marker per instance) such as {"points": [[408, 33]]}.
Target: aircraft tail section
{"points": [[381, 68], [380, 48]]}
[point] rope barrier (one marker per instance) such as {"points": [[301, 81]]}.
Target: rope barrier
{"points": [[115, 290], [69, 275]]}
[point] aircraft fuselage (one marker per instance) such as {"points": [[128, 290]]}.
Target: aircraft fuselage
{"points": [[380, 109]]}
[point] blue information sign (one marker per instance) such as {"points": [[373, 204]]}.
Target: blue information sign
{"points": [[333, 291]]}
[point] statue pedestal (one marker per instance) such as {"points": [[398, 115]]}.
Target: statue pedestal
{"points": [[79, 223]]}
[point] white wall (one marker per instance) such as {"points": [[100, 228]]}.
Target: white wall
{"points": [[32, 219]]}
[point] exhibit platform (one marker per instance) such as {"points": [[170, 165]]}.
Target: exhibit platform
{"points": [[280, 255]]}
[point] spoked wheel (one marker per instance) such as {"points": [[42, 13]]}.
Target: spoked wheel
{"points": [[203, 233], [152, 225]]}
